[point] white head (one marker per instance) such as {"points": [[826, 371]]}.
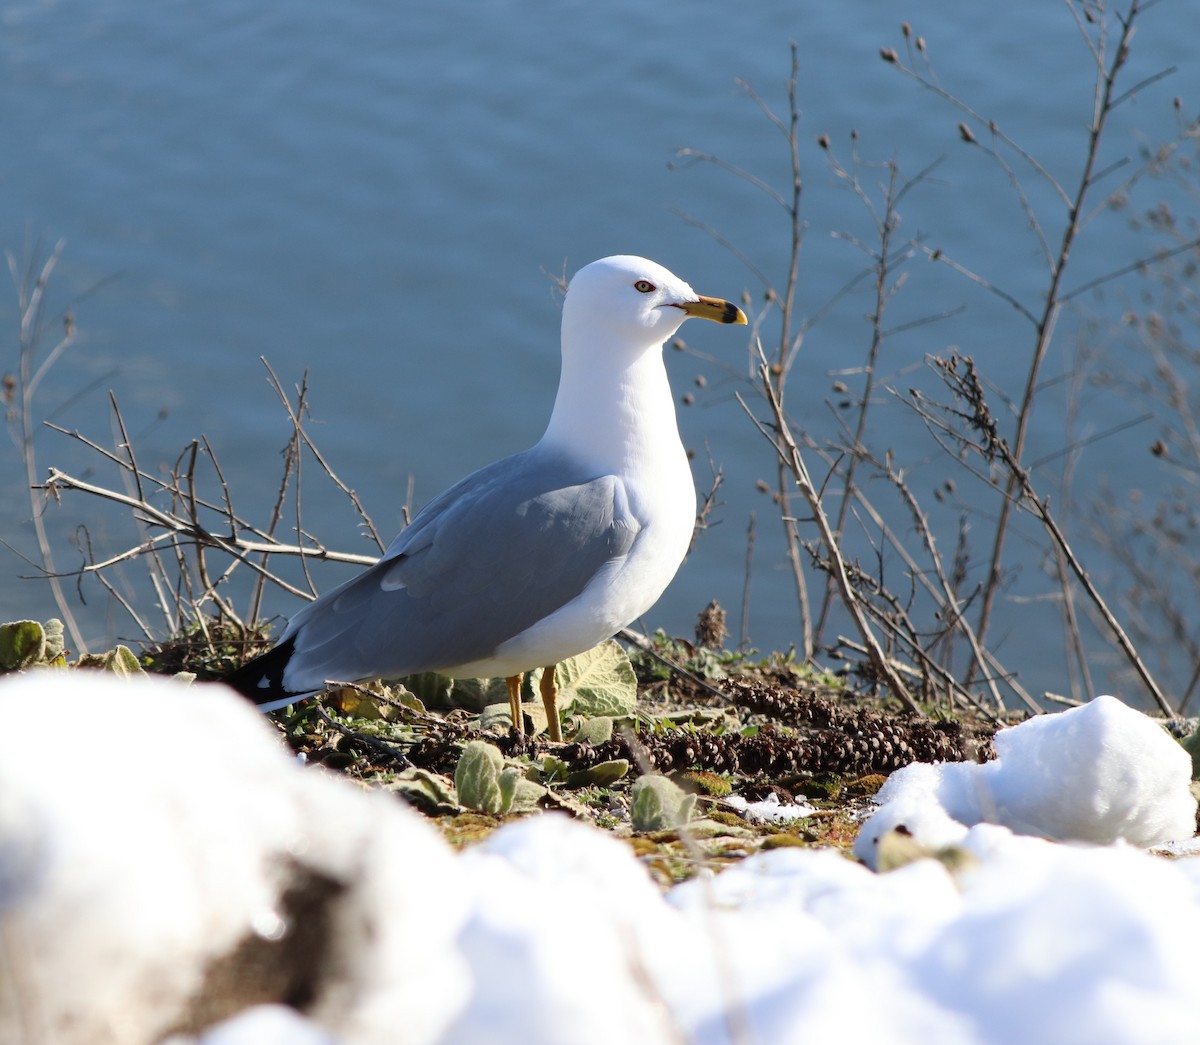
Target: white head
{"points": [[614, 404], [635, 302]]}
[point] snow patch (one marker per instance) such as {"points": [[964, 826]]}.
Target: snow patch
{"points": [[1099, 773], [165, 852], [769, 810]]}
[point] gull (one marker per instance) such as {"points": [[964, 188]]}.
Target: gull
{"points": [[539, 556]]}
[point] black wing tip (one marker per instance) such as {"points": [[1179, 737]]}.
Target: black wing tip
{"points": [[260, 679]]}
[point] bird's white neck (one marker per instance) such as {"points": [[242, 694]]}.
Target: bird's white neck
{"points": [[618, 419]]}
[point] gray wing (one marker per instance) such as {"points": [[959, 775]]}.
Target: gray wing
{"points": [[490, 557]]}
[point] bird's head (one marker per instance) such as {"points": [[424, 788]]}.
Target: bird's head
{"points": [[635, 302]]}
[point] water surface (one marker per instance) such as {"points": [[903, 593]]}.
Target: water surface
{"points": [[380, 197]]}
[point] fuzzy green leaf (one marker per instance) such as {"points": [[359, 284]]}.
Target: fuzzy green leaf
{"points": [[432, 689], [603, 775], [375, 701], [495, 715], [22, 643], [1191, 744], [517, 792], [428, 791], [554, 768], [598, 682], [507, 784], [407, 698], [659, 804], [477, 777], [123, 661], [477, 694], [55, 641], [596, 730]]}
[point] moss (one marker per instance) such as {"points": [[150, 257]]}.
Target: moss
{"points": [[785, 841], [824, 787], [664, 856], [703, 783], [468, 828], [838, 830], [865, 786]]}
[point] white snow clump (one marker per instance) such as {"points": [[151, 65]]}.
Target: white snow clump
{"points": [[1099, 773]]}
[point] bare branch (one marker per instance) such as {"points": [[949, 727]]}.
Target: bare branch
{"points": [[790, 454]]}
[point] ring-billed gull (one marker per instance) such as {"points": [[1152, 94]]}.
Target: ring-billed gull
{"points": [[541, 555]]}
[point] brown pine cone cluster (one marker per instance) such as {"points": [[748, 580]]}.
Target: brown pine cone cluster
{"points": [[807, 733]]}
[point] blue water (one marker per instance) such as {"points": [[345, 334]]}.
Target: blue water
{"points": [[379, 195]]}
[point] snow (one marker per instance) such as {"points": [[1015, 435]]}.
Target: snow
{"points": [[1099, 773], [261, 1025], [155, 830], [769, 810], [168, 873]]}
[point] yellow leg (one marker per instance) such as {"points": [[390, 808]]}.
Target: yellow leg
{"points": [[514, 701], [549, 690]]}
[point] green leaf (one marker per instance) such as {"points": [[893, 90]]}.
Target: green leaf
{"points": [[517, 792], [659, 804], [408, 699], [123, 661], [596, 730], [598, 682], [603, 775], [554, 768], [477, 777], [507, 784], [432, 689], [443, 693], [495, 715], [22, 643], [477, 694], [430, 792], [375, 701], [1191, 744], [55, 642], [690, 718]]}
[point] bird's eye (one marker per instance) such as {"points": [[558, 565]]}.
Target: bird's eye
{"points": [[644, 286]]}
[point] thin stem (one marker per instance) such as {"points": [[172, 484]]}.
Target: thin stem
{"points": [[31, 298], [786, 446]]}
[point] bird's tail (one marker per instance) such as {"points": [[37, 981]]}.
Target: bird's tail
{"points": [[261, 679]]}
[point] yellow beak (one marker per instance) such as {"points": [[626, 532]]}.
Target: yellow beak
{"points": [[716, 309]]}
